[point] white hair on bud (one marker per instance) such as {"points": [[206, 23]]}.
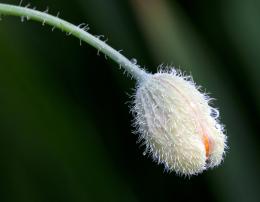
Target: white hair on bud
{"points": [[177, 125]]}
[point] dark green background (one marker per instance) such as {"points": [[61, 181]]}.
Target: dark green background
{"points": [[65, 126]]}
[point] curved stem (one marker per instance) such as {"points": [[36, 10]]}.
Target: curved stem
{"points": [[63, 25]]}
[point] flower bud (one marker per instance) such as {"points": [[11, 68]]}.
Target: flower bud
{"points": [[177, 125]]}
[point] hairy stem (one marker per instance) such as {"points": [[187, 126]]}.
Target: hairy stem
{"points": [[63, 25]]}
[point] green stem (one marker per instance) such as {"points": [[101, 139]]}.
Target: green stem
{"points": [[63, 25]]}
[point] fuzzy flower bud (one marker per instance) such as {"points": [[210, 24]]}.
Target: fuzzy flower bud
{"points": [[176, 124]]}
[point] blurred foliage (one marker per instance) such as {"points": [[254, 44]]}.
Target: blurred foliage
{"points": [[66, 127]]}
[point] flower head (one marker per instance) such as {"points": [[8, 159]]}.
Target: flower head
{"points": [[177, 125]]}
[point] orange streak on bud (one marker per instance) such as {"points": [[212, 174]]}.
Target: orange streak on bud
{"points": [[206, 144]]}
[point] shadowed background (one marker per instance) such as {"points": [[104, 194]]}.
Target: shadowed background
{"points": [[65, 126]]}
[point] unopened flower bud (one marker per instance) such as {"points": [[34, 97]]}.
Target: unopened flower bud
{"points": [[177, 125]]}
